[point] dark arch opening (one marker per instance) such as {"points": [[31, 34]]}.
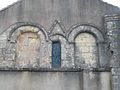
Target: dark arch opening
{"points": [[56, 54]]}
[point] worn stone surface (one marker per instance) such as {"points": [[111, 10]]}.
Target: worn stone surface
{"points": [[113, 28], [116, 78], [40, 80], [55, 80], [86, 50], [44, 12], [90, 45], [96, 81], [27, 49]]}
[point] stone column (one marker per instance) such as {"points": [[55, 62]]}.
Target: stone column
{"points": [[112, 23]]}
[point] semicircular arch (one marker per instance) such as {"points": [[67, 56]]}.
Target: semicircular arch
{"points": [[84, 28]]}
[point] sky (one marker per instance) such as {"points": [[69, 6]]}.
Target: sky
{"points": [[114, 2], [5, 3]]}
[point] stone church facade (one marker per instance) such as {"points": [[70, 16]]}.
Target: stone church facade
{"points": [[60, 45]]}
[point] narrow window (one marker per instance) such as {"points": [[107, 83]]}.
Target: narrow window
{"points": [[56, 54]]}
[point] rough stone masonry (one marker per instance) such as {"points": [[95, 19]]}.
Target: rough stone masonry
{"points": [[60, 45]]}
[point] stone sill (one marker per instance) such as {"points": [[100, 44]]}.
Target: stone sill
{"points": [[56, 69]]}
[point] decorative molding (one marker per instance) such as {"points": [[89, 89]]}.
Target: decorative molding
{"points": [[80, 28], [114, 17], [57, 29], [56, 32], [15, 26]]}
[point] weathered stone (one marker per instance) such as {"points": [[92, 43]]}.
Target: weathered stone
{"points": [[89, 52]]}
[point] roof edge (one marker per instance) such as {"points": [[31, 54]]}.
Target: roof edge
{"points": [[19, 1], [5, 8], [110, 4]]}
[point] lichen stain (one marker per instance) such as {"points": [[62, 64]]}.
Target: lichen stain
{"points": [[25, 81], [28, 48], [86, 47]]}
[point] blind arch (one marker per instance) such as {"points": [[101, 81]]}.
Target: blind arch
{"points": [[28, 45], [86, 49]]}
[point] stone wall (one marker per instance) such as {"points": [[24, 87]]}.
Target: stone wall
{"points": [[45, 12], [92, 74], [89, 45], [113, 32], [88, 76], [55, 80], [14, 57]]}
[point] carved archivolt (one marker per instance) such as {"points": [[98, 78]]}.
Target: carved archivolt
{"points": [[86, 37], [30, 45], [77, 29]]}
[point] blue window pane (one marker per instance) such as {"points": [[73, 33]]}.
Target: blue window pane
{"points": [[56, 54]]}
